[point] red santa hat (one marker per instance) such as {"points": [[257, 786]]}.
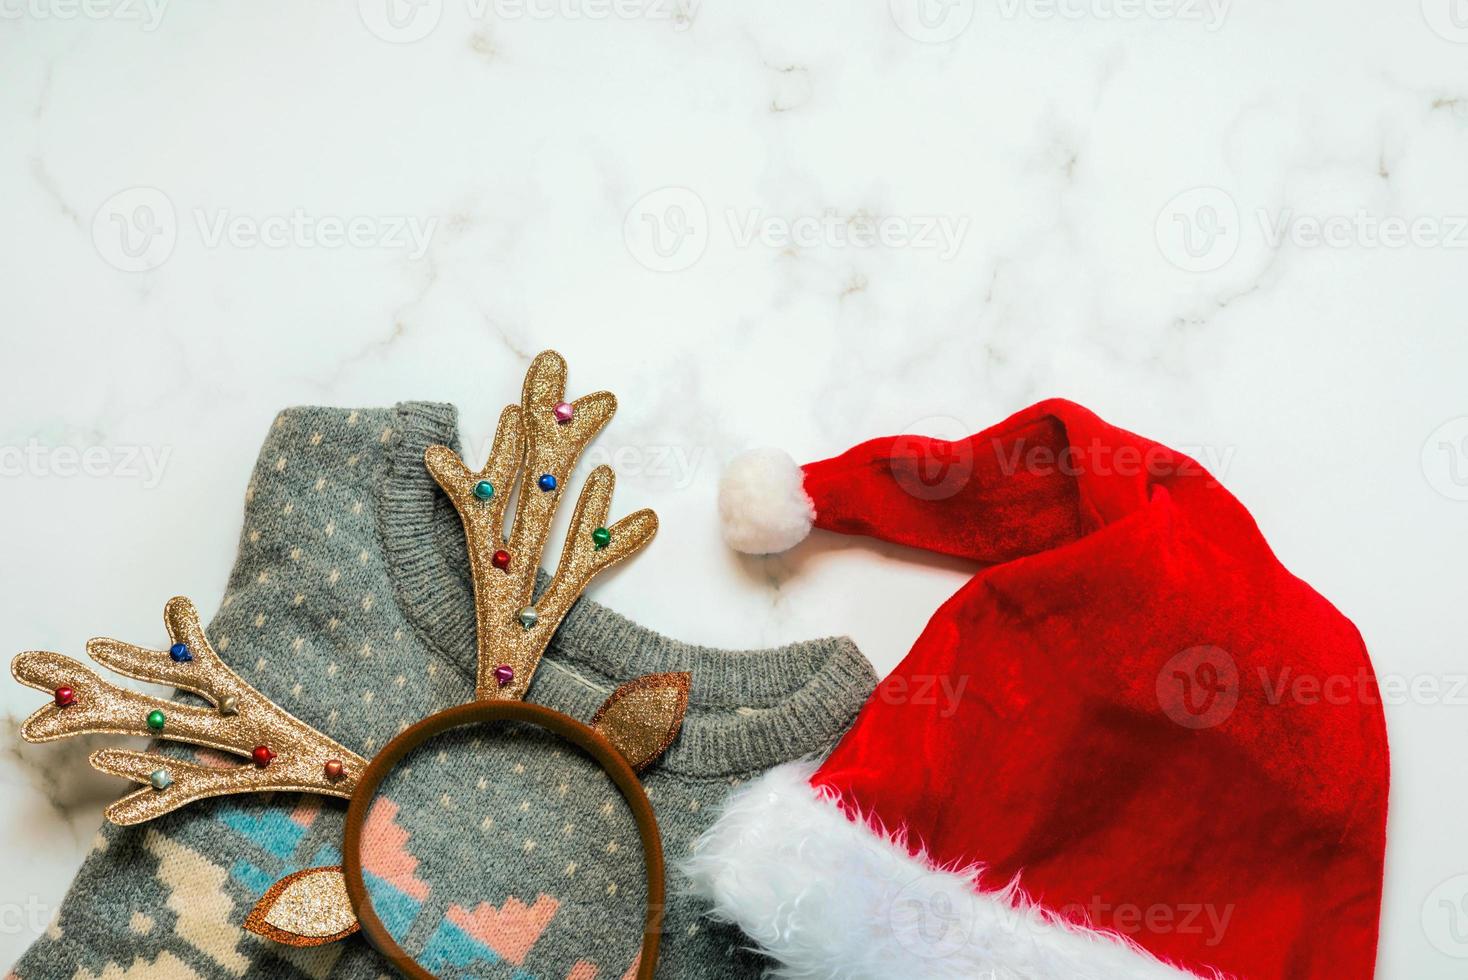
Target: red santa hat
{"points": [[1133, 745]]}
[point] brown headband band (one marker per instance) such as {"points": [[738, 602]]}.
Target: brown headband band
{"points": [[480, 712]]}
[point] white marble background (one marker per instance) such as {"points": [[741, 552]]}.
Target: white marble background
{"points": [[1240, 228]]}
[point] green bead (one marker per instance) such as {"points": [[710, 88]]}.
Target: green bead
{"points": [[160, 779], [156, 720], [601, 537], [484, 489]]}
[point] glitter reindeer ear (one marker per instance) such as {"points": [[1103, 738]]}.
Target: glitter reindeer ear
{"points": [[283, 752], [308, 908], [642, 717], [536, 443]]}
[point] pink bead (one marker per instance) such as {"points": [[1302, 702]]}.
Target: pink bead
{"points": [[564, 411], [503, 674]]}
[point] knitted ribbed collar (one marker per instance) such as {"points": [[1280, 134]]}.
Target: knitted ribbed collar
{"points": [[748, 710]]}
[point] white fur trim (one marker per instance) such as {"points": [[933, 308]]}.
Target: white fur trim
{"points": [[763, 507], [830, 898]]}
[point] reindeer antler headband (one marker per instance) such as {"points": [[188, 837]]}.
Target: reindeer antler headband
{"points": [[536, 443]]}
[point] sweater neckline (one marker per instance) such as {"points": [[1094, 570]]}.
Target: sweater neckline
{"points": [[748, 710]]}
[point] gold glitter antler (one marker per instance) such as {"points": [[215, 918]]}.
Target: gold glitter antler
{"points": [[286, 754], [539, 441]]}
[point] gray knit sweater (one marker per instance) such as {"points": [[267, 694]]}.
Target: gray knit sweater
{"points": [[496, 853]]}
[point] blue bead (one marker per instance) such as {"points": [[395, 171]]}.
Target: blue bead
{"points": [[180, 653], [484, 489], [547, 482]]}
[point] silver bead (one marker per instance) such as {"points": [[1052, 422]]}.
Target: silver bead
{"points": [[228, 705], [160, 779], [528, 617]]}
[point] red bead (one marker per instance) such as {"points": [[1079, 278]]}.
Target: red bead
{"points": [[65, 696], [262, 755], [334, 769], [502, 559]]}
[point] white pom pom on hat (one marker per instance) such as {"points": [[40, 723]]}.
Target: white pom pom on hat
{"points": [[763, 506]]}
